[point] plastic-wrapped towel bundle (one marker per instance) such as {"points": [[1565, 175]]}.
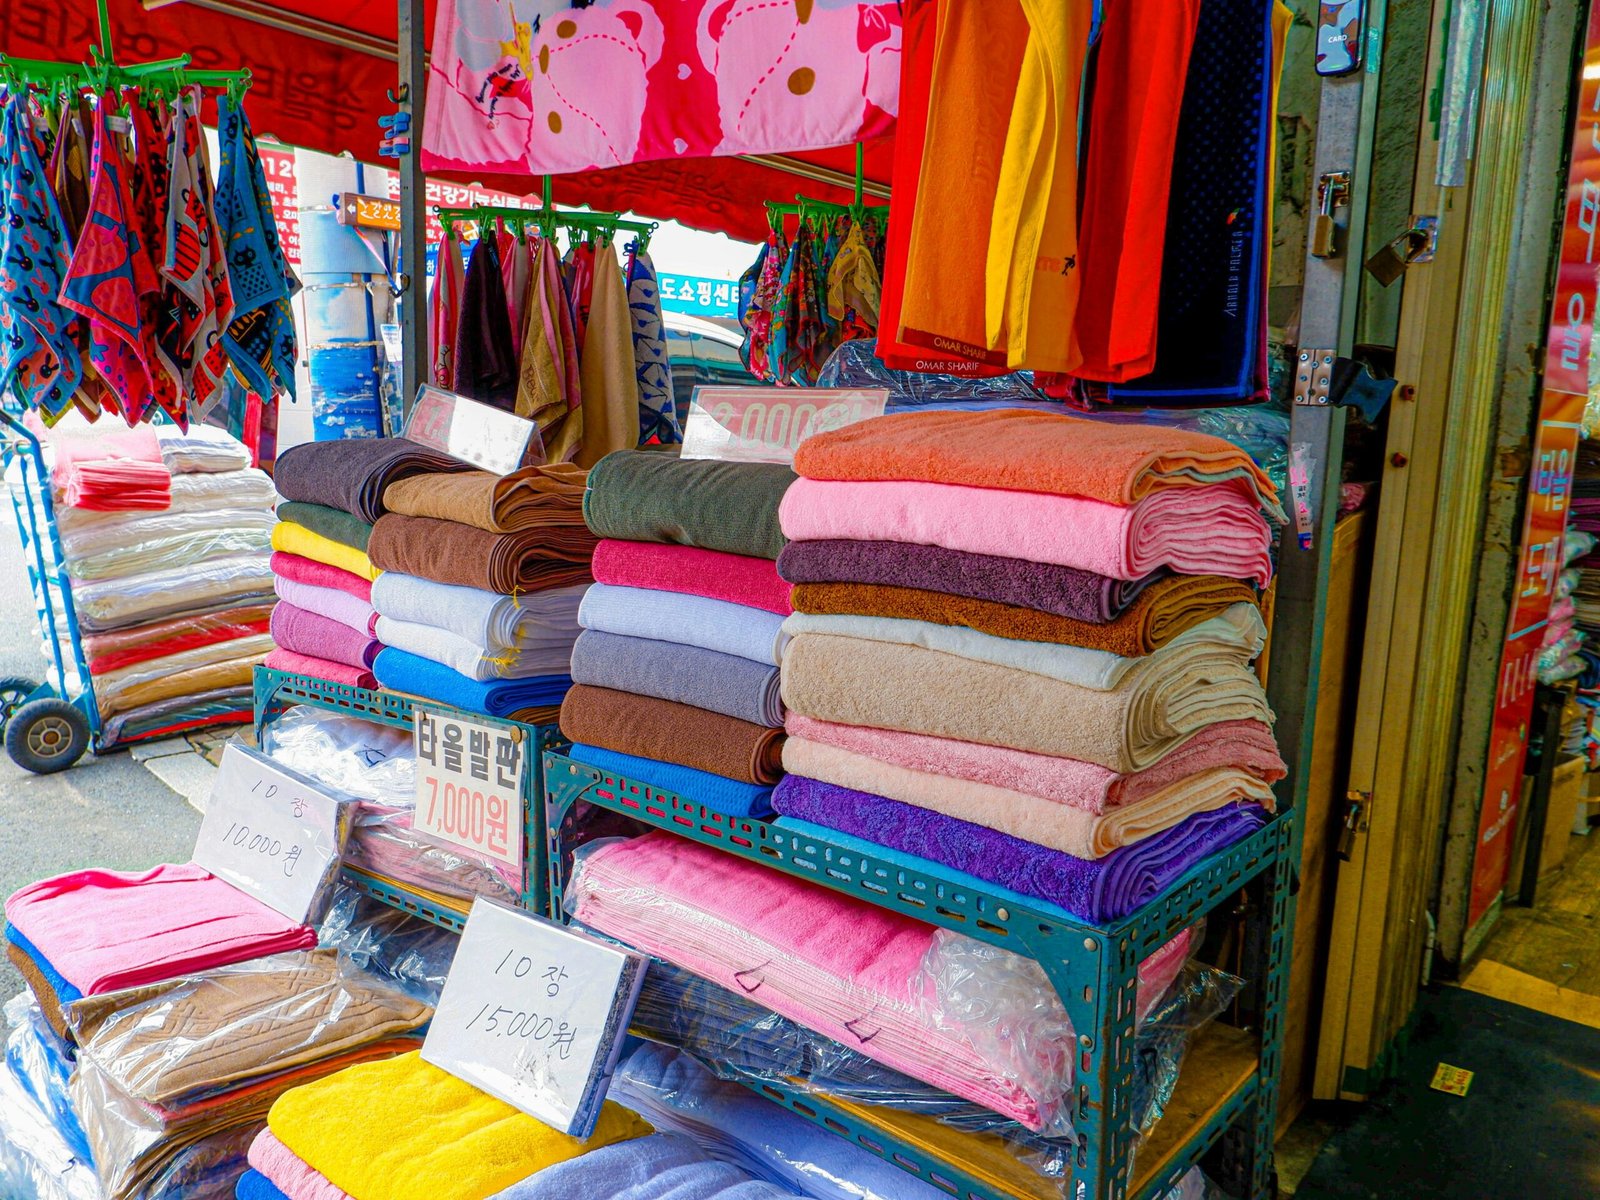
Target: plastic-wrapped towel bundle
{"points": [[200, 449], [663, 1166], [188, 673], [413, 954], [110, 604], [127, 544], [250, 489], [36, 1162], [110, 469], [42, 1062]]}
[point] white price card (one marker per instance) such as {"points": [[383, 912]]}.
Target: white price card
{"points": [[535, 1013], [480, 434], [270, 832], [767, 424], [469, 784]]}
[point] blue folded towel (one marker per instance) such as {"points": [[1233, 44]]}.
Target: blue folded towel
{"points": [[664, 1166], [65, 992], [402, 672], [253, 1185], [676, 1094], [717, 792]]}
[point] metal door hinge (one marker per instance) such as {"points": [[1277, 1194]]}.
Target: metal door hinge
{"points": [[1313, 378]]}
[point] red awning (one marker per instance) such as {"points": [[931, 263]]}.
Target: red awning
{"points": [[322, 69]]}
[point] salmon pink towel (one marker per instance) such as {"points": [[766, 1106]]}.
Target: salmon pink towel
{"points": [[108, 930], [319, 668], [736, 578], [321, 637], [1194, 531], [319, 574]]}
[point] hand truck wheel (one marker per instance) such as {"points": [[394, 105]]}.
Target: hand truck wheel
{"points": [[47, 735], [14, 693]]}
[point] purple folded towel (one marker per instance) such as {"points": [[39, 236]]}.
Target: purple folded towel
{"points": [[1064, 591], [318, 636], [1096, 890]]}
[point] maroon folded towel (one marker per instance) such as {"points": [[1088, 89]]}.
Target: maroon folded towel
{"points": [[1063, 591], [321, 637]]}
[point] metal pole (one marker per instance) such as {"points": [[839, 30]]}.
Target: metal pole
{"points": [[413, 281]]}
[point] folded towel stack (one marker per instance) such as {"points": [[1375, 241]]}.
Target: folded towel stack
{"points": [[676, 680], [402, 1129], [164, 537], [325, 624], [1005, 656]]}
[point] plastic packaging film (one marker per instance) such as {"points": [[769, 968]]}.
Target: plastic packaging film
{"points": [[146, 550], [42, 1063], [219, 664], [35, 1161], [134, 599], [413, 954], [250, 489]]}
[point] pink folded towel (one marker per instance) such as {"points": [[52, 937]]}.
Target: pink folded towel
{"points": [[736, 578], [1194, 531], [848, 969], [333, 603], [108, 930], [288, 1172], [1089, 786], [319, 668], [321, 637], [319, 574]]}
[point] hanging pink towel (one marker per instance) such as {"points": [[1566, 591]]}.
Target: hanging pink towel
{"points": [[108, 930]]}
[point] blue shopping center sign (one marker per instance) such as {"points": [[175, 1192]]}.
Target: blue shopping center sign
{"points": [[699, 296]]}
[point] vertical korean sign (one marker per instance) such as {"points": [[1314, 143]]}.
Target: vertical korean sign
{"points": [[1566, 385], [278, 165]]}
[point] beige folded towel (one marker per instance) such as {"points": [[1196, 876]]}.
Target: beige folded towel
{"points": [[1059, 826], [1127, 728]]}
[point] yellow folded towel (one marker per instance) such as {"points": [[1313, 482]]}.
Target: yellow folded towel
{"points": [[405, 1130], [297, 539]]}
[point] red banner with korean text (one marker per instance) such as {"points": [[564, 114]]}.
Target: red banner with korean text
{"points": [[1550, 468], [278, 165]]}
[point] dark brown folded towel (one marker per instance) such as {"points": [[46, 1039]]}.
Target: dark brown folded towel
{"points": [[449, 552], [672, 733]]}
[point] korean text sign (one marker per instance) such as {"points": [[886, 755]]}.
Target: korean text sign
{"points": [[270, 833], [469, 784], [535, 1014]]}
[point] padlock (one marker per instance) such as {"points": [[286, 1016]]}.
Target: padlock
{"points": [[1391, 261], [1333, 192]]}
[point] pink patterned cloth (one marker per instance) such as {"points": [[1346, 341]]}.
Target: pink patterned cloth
{"points": [[625, 81], [444, 313], [108, 930], [736, 578]]}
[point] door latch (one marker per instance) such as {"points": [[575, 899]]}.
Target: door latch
{"points": [[1333, 193], [1357, 811]]}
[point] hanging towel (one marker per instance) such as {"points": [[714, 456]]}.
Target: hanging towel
{"points": [[610, 382], [449, 552], [722, 683], [516, 265], [260, 340], [1162, 612], [444, 311], [105, 930], [732, 797], [405, 1130], [1027, 451], [1061, 591], [401, 672], [565, 434], [486, 370], [332, 523], [675, 733], [1247, 745], [1098, 890], [102, 283], [543, 497], [735, 578], [486, 619], [318, 636], [319, 668], [654, 496], [541, 391], [1031, 276], [39, 360], [301, 542], [658, 415], [1211, 530], [854, 682], [353, 474], [732, 629]]}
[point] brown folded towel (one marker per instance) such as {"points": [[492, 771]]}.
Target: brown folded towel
{"points": [[674, 733], [218, 1028], [532, 498], [49, 1002], [1160, 613], [530, 560]]}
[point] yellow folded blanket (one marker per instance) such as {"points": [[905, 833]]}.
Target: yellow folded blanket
{"points": [[297, 539], [406, 1130]]}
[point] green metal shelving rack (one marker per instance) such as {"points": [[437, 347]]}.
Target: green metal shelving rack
{"points": [[1093, 968], [276, 691]]}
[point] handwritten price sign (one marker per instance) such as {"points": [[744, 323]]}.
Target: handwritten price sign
{"points": [[768, 424], [270, 832], [476, 433], [534, 1013], [469, 784]]}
